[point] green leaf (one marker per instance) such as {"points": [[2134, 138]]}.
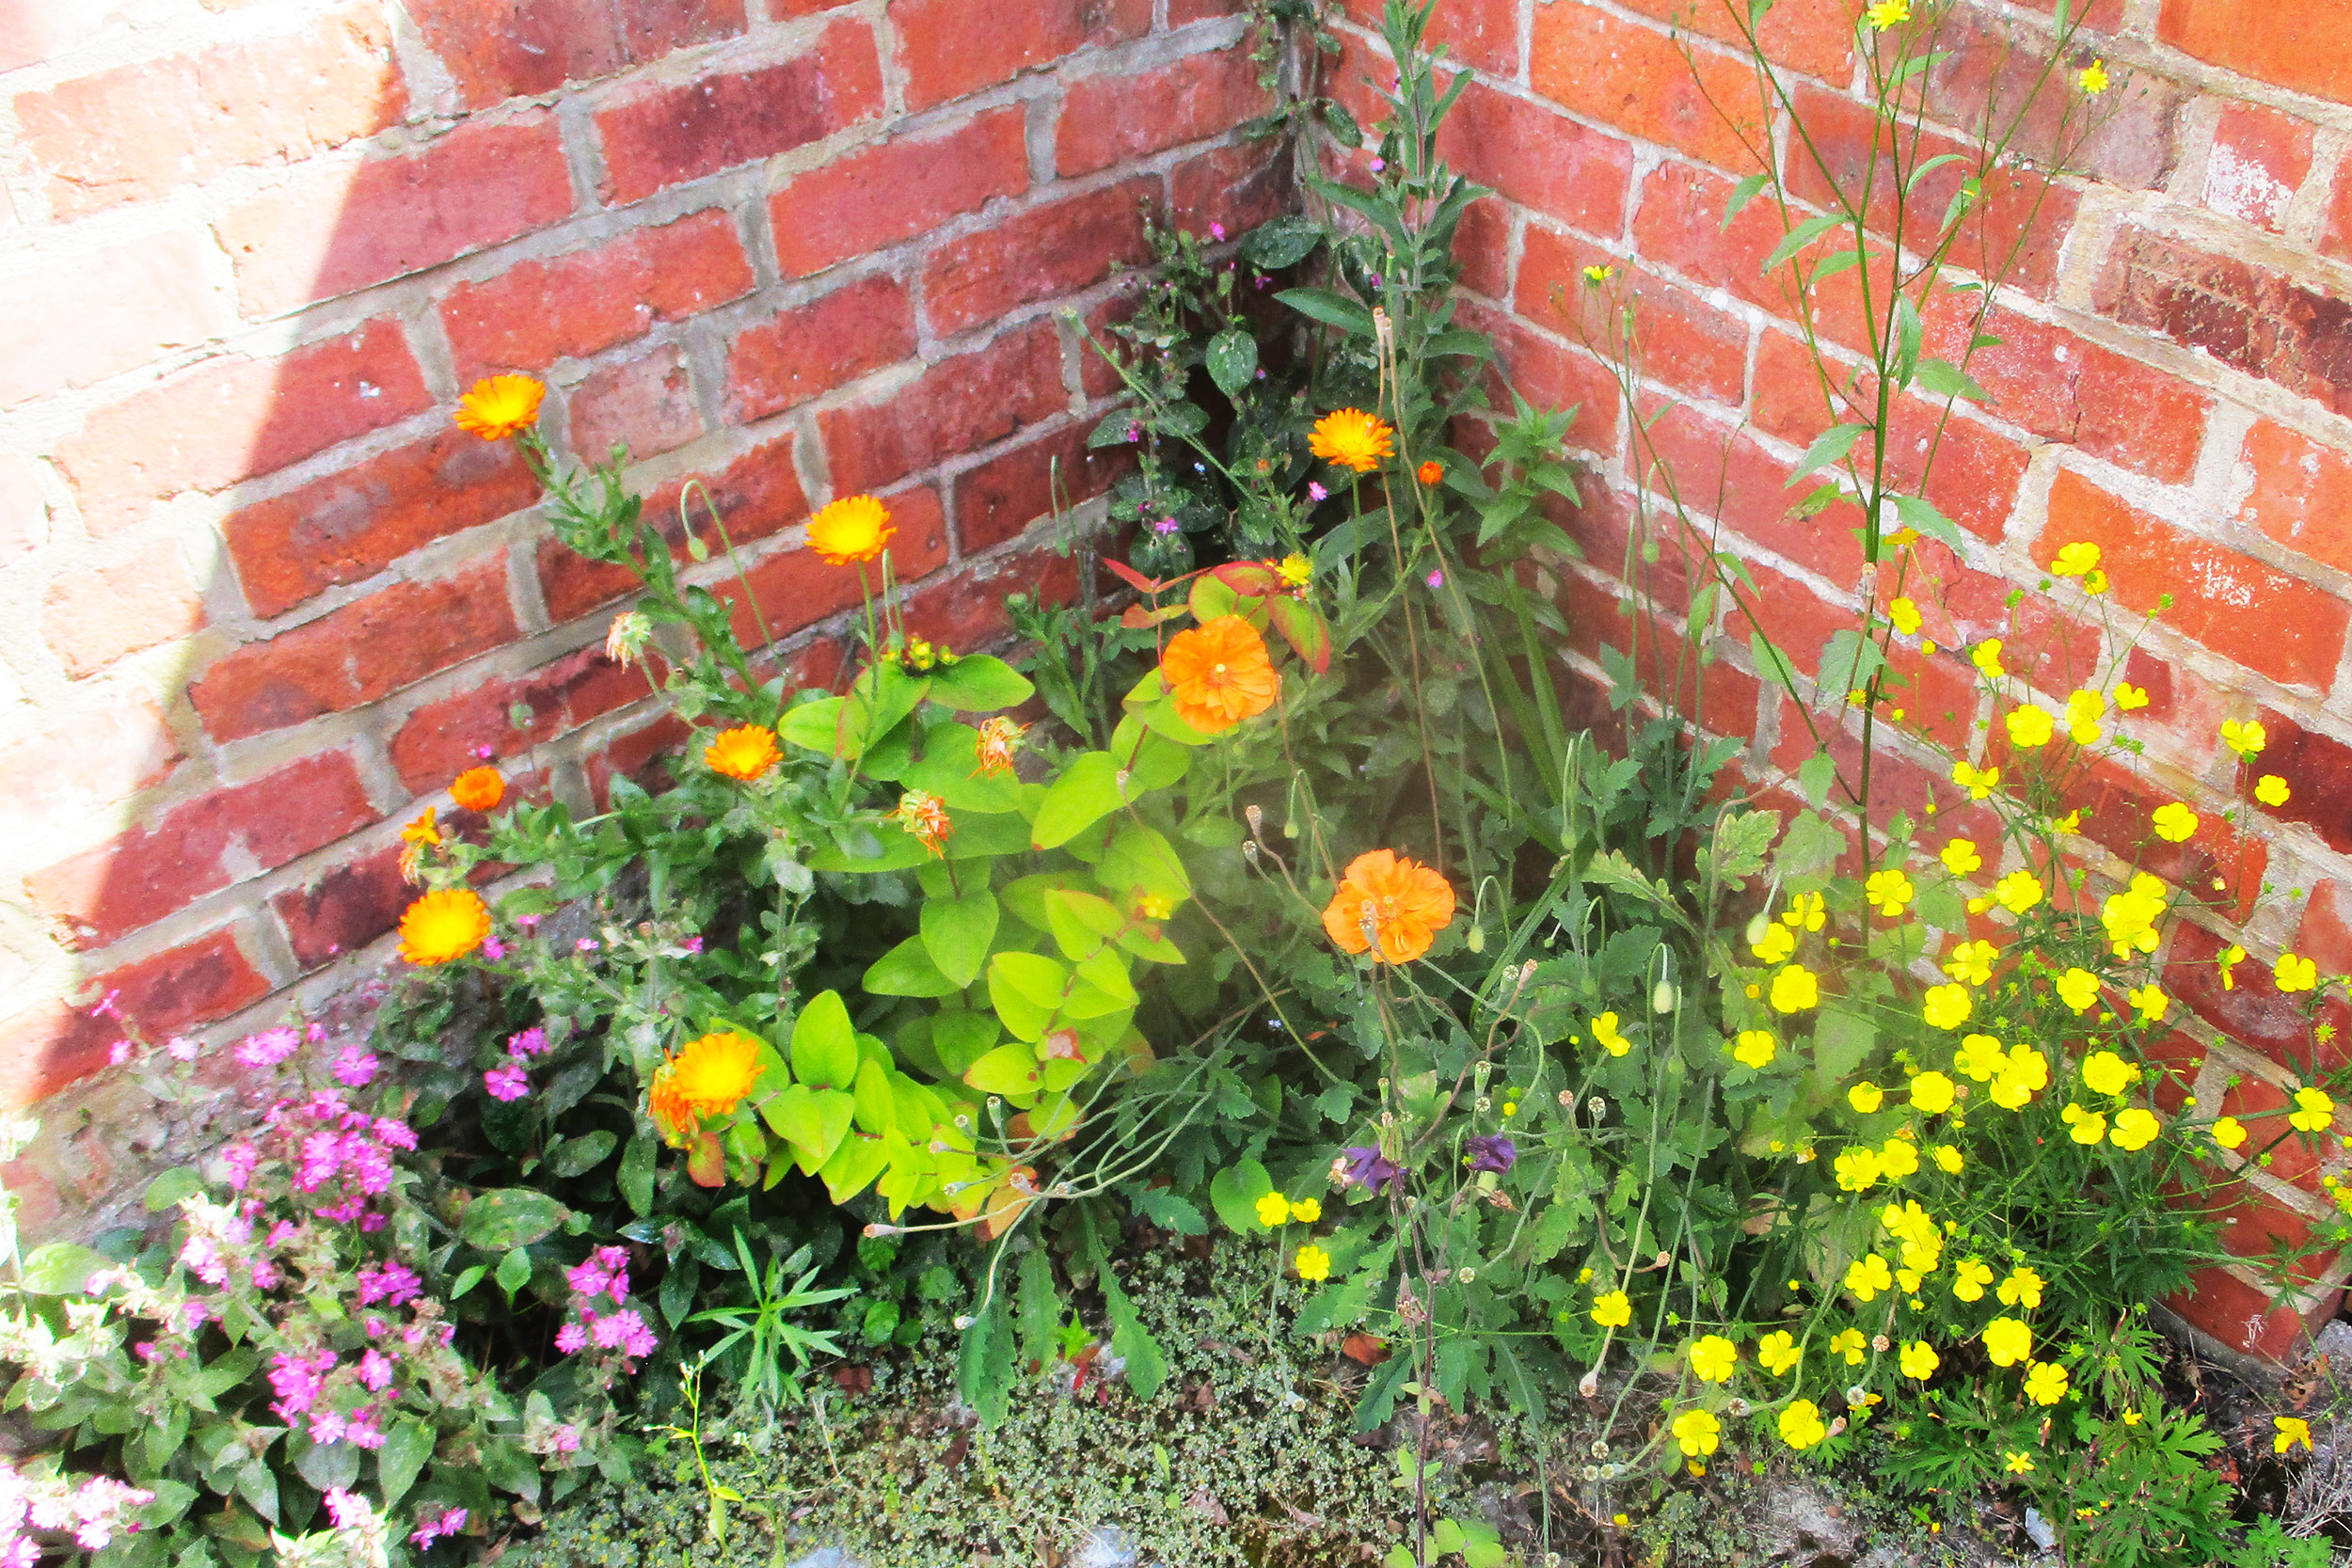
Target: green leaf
{"points": [[824, 1046], [1140, 861], [636, 1174], [961, 1037], [1233, 360], [1082, 923], [514, 1271], [1282, 242], [1165, 1209], [1944, 379], [856, 1162], [506, 1217], [467, 1281], [957, 933], [875, 1108], [578, 1156], [1802, 236], [977, 683], [1329, 309], [1828, 447], [61, 1269], [1815, 775], [1741, 194], [1010, 1071], [907, 970], [1841, 1042], [1234, 1193], [1146, 1366], [1088, 790], [813, 1121], [166, 1190], [1920, 513]]}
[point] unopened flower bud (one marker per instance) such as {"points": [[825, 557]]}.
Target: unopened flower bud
{"points": [[1257, 821]]}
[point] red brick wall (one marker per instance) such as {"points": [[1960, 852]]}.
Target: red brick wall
{"points": [[262, 601], [2176, 384]]}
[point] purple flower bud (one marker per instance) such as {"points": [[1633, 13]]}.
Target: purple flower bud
{"points": [[1492, 1151], [1437, 580], [1379, 164], [1366, 1167]]}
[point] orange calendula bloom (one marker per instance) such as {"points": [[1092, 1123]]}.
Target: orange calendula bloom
{"points": [[924, 817], [1351, 438], [423, 831], [1404, 903], [1000, 737], [1431, 471], [709, 1078], [478, 788], [1219, 675], [854, 528], [743, 752], [444, 926], [500, 405]]}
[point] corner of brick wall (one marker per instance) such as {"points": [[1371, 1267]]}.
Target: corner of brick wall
{"points": [[262, 602], [2176, 384]]}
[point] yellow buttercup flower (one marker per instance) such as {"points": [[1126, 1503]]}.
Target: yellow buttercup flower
{"points": [[1979, 782], [1598, 274], [1294, 570], [1971, 961], [2295, 973], [1948, 1159], [2089, 1127], [1970, 1278], [1273, 1210], [1933, 1093], [1800, 1424], [1351, 438], [1946, 1007], [1865, 1096], [444, 926], [1777, 1351], [2075, 560], [2130, 698], [2229, 1131], [1306, 1211], [1713, 1357], [1848, 1343], [1312, 1262], [852, 530], [1883, 14], [2135, 1128], [1903, 616], [1778, 944], [2174, 823], [2130, 916], [1795, 988], [1605, 1033], [1888, 891], [1697, 1431], [2092, 78], [1858, 1169], [2018, 892], [1613, 1309], [1867, 1275], [1919, 1360], [1755, 1049], [1980, 1057], [499, 406], [1959, 857], [1897, 1158], [2108, 1073], [1986, 656], [2045, 1383], [2029, 726], [2084, 709], [2292, 1430], [2019, 1464], [2313, 1109], [2007, 1341], [2246, 738], [2271, 790], [2023, 1287], [2078, 989], [1805, 909]]}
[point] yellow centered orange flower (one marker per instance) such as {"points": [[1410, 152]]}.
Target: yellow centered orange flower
{"points": [[1219, 675], [478, 788], [1351, 438], [443, 925], [423, 831], [500, 405], [709, 1078], [1405, 904], [854, 528], [743, 752]]}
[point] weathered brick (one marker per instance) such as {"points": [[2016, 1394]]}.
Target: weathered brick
{"points": [[809, 350], [2249, 1319], [2259, 160], [2318, 770], [500, 48], [1634, 77], [52, 781], [960, 404], [345, 909], [200, 847], [1687, 344], [2325, 936], [190, 985], [1680, 224], [758, 494], [2303, 47], [442, 739], [950, 48], [2250, 318], [1052, 250], [587, 301], [1482, 248], [81, 318], [660, 135], [356, 655], [355, 522], [966, 609], [1987, 62], [645, 404], [137, 130], [2335, 239], [1234, 188], [23, 512], [1814, 37], [2232, 604], [91, 618], [1118, 115], [2118, 807], [1539, 159], [2301, 495], [1550, 375], [637, 755], [895, 190], [32, 31], [334, 229], [1001, 496]]}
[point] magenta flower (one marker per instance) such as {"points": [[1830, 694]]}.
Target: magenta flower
{"points": [[530, 1043], [119, 1052], [376, 1370], [570, 1337], [345, 1509], [389, 1283], [394, 1134], [355, 1067], [1315, 492], [507, 1083], [269, 1048], [240, 1159]]}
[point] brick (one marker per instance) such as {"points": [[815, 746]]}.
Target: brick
{"points": [[1687, 344], [661, 135], [1678, 224], [1047, 250], [2318, 770], [1483, 34], [1550, 375], [441, 739], [636, 755], [2117, 807], [2325, 936], [949, 48], [957, 406], [794, 589], [2248, 317], [345, 909], [878, 195], [587, 301], [1986, 61], [234, 419], [1538, 159], [1116, 116], [49, 783], [93, 617], [201, 847], [32, 31], [338, 228], [500, 48], [2250, 1011], [23, 510], [1236, 187], [353, 523], [137, 131], [2336, 238], [2247, 1318], [1003, 496], [2241, 608], [757, 495], [2259, 1229], [2064, 388], [2302, 492], [1481, 245], [645, 404], [2258, 160], [809, 350], [1634, 78], [2302, 47], [83, 317], [966, 610], [353, 656], [1814, 37], [193, 984]]}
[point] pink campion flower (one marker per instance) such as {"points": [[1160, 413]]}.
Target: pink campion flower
{"points": [[322, 1157], [587, 944], [693, 944], [392, 1133], [119, 1052], [375, 1326], [389, 1283], [493, 949], [344, 1213], [528, 1043], [180, 1049], [296, 1380], [367, 1164], [281, 1233], [355, 1067], [507, 1083], [345, 1509], [265, 1276], [625, 1332], [269, 1048], [326, 1105], [20, 1553], [1437, 580], [360, 1431], [106, 1008], [587, 1279], [202, 1255], [1315, 492], [240, 1159], [327, 1426], [376, 1371], [370, 1223], [570, 1337], [564, 1439], [195, 1315]]}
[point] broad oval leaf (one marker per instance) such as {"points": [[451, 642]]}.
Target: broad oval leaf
{"points": [[824, 1046], [1009, 1071], [957, 933], [977, 683], [508, 1218]]}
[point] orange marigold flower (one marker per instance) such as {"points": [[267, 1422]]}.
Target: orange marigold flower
{"points": [[443, 926], [709, 1078], [924, 817], [478, 788], [423, 831], [1219, 674], [743, 752], [854, 528], [500, 405], [1431, 471], [1404, 902], [1000, 737], [1351, 438]]}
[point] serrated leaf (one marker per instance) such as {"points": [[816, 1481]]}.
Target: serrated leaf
{"points": [[1815, 775], [1919, 513], [1146, 1366]]}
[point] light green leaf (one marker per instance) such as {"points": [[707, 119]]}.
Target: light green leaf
{"points": [[61, 1269], [824, 1046], [957, 933], [1234, 1193], [174, 1184], [1010, 1071], [977, 683], [1799, 237], [907, 970], [514, 1271], [1088, 790], [1146, 1366], [1829, 447]]}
